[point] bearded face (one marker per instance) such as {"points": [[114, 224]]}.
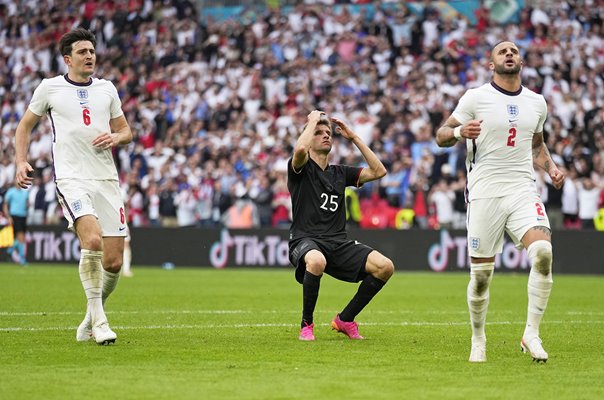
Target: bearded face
{"points": [[507, 67]]}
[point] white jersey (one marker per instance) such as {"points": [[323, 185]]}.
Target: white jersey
{"points": [[500, 161], [78, 112]]}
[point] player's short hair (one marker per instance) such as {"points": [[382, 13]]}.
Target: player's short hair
{"points": [[76, 35], [322, 121], [497, 44]]}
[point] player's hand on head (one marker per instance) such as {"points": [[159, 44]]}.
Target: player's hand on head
{"points": [[315, 115], [342, 128], [471, 130], [24, 175]]}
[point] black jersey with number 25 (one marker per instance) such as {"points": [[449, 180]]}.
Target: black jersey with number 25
{"points": [[318, 199]]}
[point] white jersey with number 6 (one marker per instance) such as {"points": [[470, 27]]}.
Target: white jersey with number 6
{"points": [[500, 161], [78, 112]]}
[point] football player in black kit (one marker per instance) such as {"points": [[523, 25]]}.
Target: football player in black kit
{"points": [[318, 241]]}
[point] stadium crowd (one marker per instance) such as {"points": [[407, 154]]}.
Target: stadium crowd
{"points": [[217, 106]]}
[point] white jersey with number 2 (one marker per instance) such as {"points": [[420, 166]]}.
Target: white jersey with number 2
{"points": [[78, 112], [500, 161]]}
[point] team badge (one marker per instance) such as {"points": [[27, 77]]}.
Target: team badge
{"points": [[82, 93], [76, 205], [513, 111], [474, 243]]}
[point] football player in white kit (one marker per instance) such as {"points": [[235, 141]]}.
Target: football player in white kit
{"points": [[502, 124], [87, 122]]}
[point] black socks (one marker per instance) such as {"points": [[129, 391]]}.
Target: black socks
{"points": [[367, 289], [310, 294]]}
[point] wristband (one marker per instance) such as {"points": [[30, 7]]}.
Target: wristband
{"points": [[457, 133]]}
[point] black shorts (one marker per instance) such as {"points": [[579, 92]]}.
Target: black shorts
{"points": [[19, 224], [346, 259]]}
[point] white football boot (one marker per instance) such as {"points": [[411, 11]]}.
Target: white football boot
{"points": [[479, 351], [103, 334], [84, 332], [534, 348]]}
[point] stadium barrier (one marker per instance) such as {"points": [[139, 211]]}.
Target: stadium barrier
{"points": [[578, 252]]}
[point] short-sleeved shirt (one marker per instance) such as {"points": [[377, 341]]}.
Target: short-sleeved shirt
{"points": [[318, 203], [17, 201], [500, 160], [78, 112]]}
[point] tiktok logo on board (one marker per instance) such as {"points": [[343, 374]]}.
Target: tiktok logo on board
{"points": [[249, 250]]}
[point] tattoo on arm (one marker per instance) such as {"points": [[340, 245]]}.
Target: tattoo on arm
{"points": [[537, 143], [451, 123], [540, 152], [543, 229]]}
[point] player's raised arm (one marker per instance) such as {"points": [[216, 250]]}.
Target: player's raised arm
{"points": [[543, 159], [23, 169], [453, 131], [302, 147], [376, 169]]}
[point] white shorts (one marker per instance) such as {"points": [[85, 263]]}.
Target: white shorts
{"points": [[488, 219], [103, 199]]}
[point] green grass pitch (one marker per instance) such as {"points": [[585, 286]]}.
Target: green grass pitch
{"points": [[232, 334]]}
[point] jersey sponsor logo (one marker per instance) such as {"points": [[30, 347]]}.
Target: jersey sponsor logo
{"points": [[122, 228], [82, 93], [357, 242], [76, 206], [474, 243], [513, 112]]}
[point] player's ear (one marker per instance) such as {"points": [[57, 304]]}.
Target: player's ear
{"points": [[67, 59]]}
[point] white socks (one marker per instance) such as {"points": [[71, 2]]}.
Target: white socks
{"points": [[481, 275], [539, 285], [91, 276], [110, 280]]}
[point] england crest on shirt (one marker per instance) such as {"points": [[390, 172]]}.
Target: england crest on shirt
{"points": [[474, 243], [513, 111], [76, 205], [82, 93]]}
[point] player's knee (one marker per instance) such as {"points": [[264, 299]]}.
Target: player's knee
{"points": [[113, 264], [385, 269], [93, 242], [315, 262], [541, 255]]}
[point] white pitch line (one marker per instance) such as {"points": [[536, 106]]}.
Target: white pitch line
{"points": [[146, 312], [227, 312], [216, 312], [282, 325]]}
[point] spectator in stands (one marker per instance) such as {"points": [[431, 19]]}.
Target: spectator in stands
{"points": [[442, 197], [167, 203], [261, 194], [15, 208], [588, 194]]}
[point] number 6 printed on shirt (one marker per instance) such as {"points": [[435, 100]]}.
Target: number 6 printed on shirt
{"points": [[86, 116]]}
